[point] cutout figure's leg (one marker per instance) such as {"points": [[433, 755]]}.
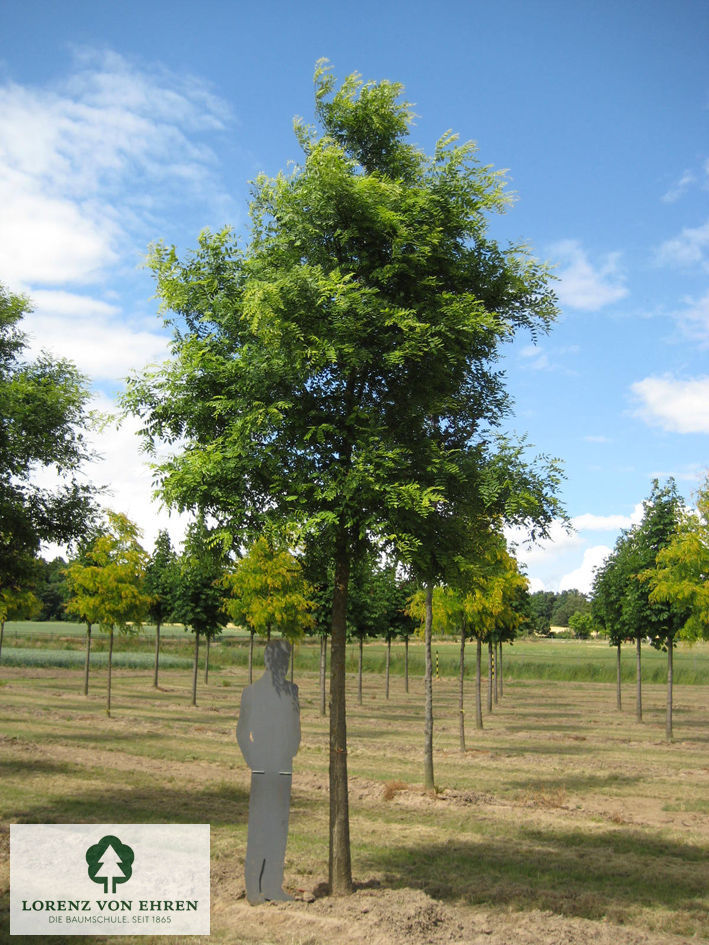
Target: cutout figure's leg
{"points": [[269, 808]]}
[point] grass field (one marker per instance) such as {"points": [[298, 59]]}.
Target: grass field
{"points": [[564, 821], [30, 643]]}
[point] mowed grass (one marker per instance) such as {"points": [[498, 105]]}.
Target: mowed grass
{"points": [[561, 803]]}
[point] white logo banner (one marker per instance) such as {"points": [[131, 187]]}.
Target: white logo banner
{"points": [[109, 879]]}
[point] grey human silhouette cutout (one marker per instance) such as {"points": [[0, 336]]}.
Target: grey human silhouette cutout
{"points": [[268, 733]]}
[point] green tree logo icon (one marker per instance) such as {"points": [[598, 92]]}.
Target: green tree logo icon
{"points": [[110, 862]]}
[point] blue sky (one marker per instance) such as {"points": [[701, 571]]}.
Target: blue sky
{"points": [[125, 123]]}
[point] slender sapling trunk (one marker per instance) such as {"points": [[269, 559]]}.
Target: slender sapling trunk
{"points": [[478, 683], [490, 662], [496, 691], [157, 654], [639, 683], [87, 662], [618, 700], [406, 663], [194, 668], [668, 717], [323, 674], [206, 661], [499, 671], [428, 782], [359, 672], [110, 667], [461, 706], [388, 666]]}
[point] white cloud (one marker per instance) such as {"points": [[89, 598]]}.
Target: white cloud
{"points": [[560, 540], [105, 350], [694, 319], [87, 163], [689, 248], [71, 305], [675, 405], [584, 285], [582, 577], [597, 438], [679, 188], [601, 523], [123, 469]]}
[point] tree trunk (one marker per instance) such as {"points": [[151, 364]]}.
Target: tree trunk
{"points": [[490, 661], [406, 663], [323, 674], [206, 661], [251, 656], [194, 668], [478, 683], [618, 700], [428, 782], [461, 706], [499, 672], [639, 683], [359, 671], [668, 717], [157, 655], [87, 662], [496, 690], [110, 667], [388, 667], [340, 863]]}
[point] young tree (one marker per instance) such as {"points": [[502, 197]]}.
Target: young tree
{"points": [[491, 584], [623, 589], [606, 610], [43, 419], [160, 585], [267, 591], [199, 598], [682, 566], [106, 584], [334, 371]]}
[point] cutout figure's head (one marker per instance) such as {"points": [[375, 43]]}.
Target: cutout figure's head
{"points": [[277, 658]]}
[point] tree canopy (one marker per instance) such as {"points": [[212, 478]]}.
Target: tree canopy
{"points": [[43, 419], [681, 574]]}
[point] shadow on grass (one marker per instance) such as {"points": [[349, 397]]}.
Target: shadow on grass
{"points": [[573, 783], [125, 797], [591, 875]]}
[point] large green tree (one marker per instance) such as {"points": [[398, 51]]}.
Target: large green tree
{"points": [[44, 416], [340, 369]]}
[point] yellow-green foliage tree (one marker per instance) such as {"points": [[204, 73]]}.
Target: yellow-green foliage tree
{"points": [[681, 574], [107, 584], [268, 592], [16, 604], [492, 586]]}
